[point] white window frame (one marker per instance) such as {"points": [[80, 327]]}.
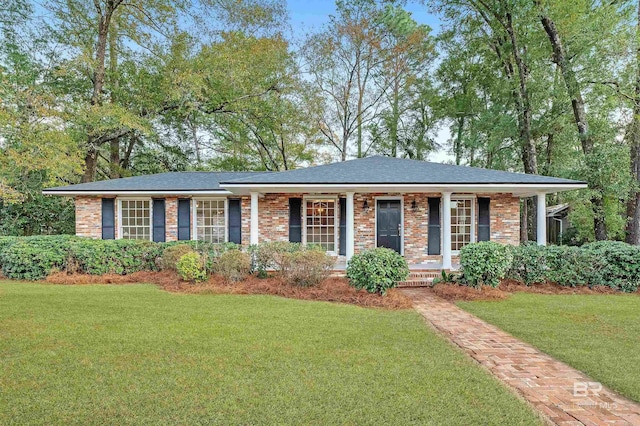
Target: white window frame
{"points": [[194, 215], [119, 200], [389, 198], [472, 238], [336, 224]]}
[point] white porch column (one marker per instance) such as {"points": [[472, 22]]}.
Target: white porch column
{"points": [[349, 234], [446, 231], [253, 239], [541, 216]]}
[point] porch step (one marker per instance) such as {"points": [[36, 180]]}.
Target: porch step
{"points": [[420, 278]]}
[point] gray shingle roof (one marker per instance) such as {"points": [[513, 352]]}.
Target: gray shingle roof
{"points": [[370, 170], [387, 170], [172, 181]]}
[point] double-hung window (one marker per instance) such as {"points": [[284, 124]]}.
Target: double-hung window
{"points": [[462, 222], [135, 219], [320, 223], [210, 220]]}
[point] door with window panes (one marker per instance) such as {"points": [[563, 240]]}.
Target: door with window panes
{"points": [[462, 226]]}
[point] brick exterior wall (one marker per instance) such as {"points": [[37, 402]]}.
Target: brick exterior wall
{"points": [[274, 220], [171, 219], [505, 218], [89, 217]]}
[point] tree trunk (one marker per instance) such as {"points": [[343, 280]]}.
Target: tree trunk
{"points": [[529, 157], [458, 143], [579, 114], [104, 20], [393, 131], [633, 205]]}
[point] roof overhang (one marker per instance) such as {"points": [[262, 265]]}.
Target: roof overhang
{"points": [[139, 193], [520, 190]]}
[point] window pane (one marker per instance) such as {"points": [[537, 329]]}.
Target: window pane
{"points": [[210, 221], [135, 219], [461, 223], [321, 223]]}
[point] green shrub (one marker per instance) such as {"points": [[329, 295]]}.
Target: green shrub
{"points": [[33, 258], [172, 254], [617, 264], [485, 263], [377, 270], [306, 267], [271, 255], [191, 267], [529, 263], [570, 266], [98, 257], [5, 242], [233, 265]]}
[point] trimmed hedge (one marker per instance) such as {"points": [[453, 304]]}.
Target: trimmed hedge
{"points": [[612, 264], [377, 270], [485, 263], [34, 258]]}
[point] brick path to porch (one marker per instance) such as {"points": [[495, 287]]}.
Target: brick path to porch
{"points": [[544, 382]]}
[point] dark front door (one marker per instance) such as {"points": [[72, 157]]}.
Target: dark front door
{"points": [[389, 224]]}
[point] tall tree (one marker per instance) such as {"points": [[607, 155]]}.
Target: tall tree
{"points": [[342, 61]]}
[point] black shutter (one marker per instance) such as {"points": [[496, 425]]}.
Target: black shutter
{"points": [[158, 220], [295, 220], [434, 226], [484, 219], [343, 227], [235, 221], [108, 219], [184, 219]]}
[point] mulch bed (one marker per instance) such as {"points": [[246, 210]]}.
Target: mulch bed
{"points": [[455, 292], [330, 290]]}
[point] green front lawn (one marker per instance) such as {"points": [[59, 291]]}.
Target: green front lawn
{"points": [[597, 334], [135, 354]]}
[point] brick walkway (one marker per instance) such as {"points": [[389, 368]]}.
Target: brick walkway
{"points": [[546, 383]]}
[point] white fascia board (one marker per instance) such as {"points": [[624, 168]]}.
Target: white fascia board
{"points": [[139, 193], [516, 189]]}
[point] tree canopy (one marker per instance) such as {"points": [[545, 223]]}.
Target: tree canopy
{"points": [[101, 89]]}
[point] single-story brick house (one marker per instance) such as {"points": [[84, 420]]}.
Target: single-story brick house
{"points": [[425, 211]]}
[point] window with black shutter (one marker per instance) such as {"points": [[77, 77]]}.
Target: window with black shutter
{"points": [[184, 219], [108, 219], [434, 227], [295, 220], [484, 219]]}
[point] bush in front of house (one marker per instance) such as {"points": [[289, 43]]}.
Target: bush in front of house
{"points": [[190, 267], [122, 257], [570, 266], [306, 268], [377, 270], [529, 263], [33, 258], [485, 263], [171, 255], [233, 265], [272, 255], [616, 264]]}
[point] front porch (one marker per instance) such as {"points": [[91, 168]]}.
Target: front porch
{"points": [[427, 228]]}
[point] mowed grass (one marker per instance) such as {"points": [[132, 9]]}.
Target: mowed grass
{"points": [[597, 334], [137, 355]]}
